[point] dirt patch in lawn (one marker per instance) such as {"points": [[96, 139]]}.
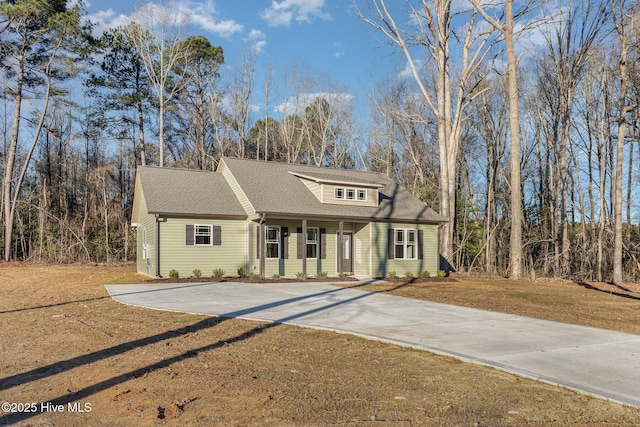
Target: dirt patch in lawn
{"points": [[66, 346]]}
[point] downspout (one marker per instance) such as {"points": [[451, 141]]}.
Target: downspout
{"points": [[263, 244], [157, 242]]}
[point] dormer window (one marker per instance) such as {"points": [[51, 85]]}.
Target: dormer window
{"points": [[362, 195], [351, 194], [339, 193]]}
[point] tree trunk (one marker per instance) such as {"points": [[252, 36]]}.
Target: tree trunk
{"points": [[515, 243]]}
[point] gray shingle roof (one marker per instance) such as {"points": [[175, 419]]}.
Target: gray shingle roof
{"points": [[188, 192], [272, 187]]}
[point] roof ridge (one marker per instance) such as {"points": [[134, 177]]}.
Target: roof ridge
{"points": [[172, 168], [276, 162]]}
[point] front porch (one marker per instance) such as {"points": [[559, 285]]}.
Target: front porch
{"points": [[287, 247]]}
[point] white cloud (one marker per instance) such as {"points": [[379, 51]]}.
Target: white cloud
{"points": [[104, 20], [406, 72], [297, 103], [201, 15], [339, 51], [257, 39], [282, 12], [205, 16]]}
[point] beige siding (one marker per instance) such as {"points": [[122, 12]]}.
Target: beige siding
{"points": [[237, 190], [176, 254], [314, 187], [328, 196], [382, 265]]}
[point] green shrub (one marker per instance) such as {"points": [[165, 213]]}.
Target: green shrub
{"points": [[218, 272], [425, 274], [197, 273], [254, 276], [174, 274], [392, 275], [343, 275], [408, 275], [243, 272], [276, 276], [322, 275], [302, 276], [442, 273]]}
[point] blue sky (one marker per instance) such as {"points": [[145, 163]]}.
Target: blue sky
{"points": [[336, 48]]}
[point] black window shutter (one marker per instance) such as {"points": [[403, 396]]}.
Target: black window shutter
{"points": [[300, 245], [420, 244], [284, 239], [391, 249], [189, 235], [216, 239], [323, 243]]}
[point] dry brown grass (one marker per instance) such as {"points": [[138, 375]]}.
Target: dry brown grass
{"points": [[64, 340]]}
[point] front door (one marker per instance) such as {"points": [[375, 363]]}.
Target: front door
{"points": [[347, 252]]}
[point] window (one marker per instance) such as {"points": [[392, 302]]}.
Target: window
{"points": [[351, 193], [405, 244], [312, 243], [273, 242], [203, 235], [342, 193]]}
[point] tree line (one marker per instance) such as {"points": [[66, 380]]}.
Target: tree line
{"points": [[530, 157]]}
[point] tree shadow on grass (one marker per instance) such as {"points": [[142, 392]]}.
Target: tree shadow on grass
{"points": [[618, 294], [66, 365]]}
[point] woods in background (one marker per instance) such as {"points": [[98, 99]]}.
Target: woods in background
{"points": [[544, 143]]}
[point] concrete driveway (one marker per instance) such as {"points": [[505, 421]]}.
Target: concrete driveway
{"points": [[594, 361]]}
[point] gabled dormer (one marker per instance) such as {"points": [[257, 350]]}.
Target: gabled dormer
{"points": [[332, 188]]}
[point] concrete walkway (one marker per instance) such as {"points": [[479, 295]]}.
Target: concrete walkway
{"points": [[593, 361]]}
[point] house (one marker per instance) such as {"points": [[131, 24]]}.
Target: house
{"points": [[280, 219]]}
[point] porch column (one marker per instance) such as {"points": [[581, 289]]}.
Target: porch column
{"points": [[263, 247], [339, 255], [304, 246]]}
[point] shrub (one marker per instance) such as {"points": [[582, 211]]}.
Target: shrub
{"points": [[302, 276], [343, 275], [254, 276], [425, 274], [218, 272], [442, 273], [174, 274], [322, 275], [392, 275], [243, 272], [197, 273], [276, 276], [408, 275]]}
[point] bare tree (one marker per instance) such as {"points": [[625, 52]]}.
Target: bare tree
{"points": [[506, 27], [622, 28], [579, 26], [429, 25], [240, 98], [156, 32]]}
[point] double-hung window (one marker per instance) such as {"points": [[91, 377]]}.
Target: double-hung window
{"points": [[272, 242], [312, 242], [202, 235], [406, 243]]}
